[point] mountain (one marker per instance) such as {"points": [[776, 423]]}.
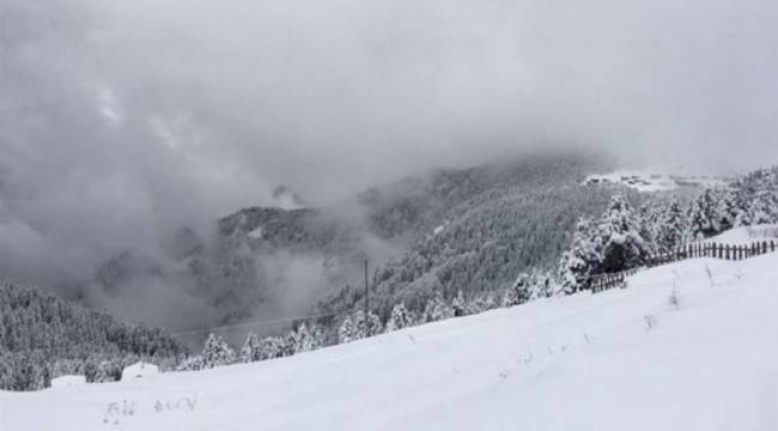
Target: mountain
{"points": [[631, 358], [490, 221], [476, 230], [42, 337]]}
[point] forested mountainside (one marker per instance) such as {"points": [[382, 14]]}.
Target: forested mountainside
{"points": [[482, 228], [42, 337], [274, 262]]}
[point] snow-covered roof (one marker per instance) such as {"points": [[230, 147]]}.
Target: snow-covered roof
{"points": [[139, 369]]}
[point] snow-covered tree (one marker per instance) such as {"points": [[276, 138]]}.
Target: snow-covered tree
{"points": [[192, 363], [307, 338], [520, 292], [544, 287], [732, 209], [399, 318], [703, 216], [764, 205], [216, 352], [437, 309], [348, 331], [672, 228], [622, 245], [271, 348], [251, 350], [582, 258]]}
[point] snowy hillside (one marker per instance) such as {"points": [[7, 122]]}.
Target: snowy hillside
{"points": [[747, 234], [622, 360]]}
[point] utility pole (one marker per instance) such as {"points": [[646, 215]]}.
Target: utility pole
{"points": [[367, 302]]}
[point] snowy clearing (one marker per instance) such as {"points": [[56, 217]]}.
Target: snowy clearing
{"points": [[641, 358]]}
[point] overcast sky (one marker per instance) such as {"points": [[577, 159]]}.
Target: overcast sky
{"points": [[122, 118]]}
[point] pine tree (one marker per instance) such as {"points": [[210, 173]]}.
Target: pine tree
{"points": [[544, 287], [622, 245], [347, 331], [580, 261], [399, 319], [520, 292], [703, 216], [731, 209], [764, 205], [251, 351], [216, 352], [437, 309], [672, 228], [307, 338]]}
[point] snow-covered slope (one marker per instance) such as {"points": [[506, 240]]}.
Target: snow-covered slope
{"points": [[747, 234], [621, 360]]}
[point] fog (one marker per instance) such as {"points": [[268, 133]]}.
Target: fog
{"points": [[120, 120]]}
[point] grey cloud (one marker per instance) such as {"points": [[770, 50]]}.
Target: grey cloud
{"points": [[123, 119]]}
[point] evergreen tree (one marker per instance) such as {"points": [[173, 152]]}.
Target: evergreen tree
{"points": [[544, 287], [731, 209], [307, 338], [764, 205], [520, 292], [672, 229], [581, 260], [437, 309], [622, 245], [216, 352], [703, 216], [348, 331], [399, 319], [251, 351]]}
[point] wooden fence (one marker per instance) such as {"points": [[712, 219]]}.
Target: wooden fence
{"points": [[601, 282]]}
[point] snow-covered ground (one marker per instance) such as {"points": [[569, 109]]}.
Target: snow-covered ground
{"points": [[747, 234], [620, 360], [654, 182]]}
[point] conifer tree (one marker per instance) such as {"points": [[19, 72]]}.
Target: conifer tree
{"points": [[307, 338], [347, 331], [400, 318], [582, 258], [437, 309], [672, 229], [250, 352], [622, 245], [703, 216], [216, 352]]}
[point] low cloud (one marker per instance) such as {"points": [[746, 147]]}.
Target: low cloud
{"points": [[121, 121]]}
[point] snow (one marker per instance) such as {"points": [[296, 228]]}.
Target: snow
{"points": [[67, 381], [647, 182], [747, 234], [625, 359], [139, 369]]}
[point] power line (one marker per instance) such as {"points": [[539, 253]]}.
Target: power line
{"points": [[252, 324]]}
